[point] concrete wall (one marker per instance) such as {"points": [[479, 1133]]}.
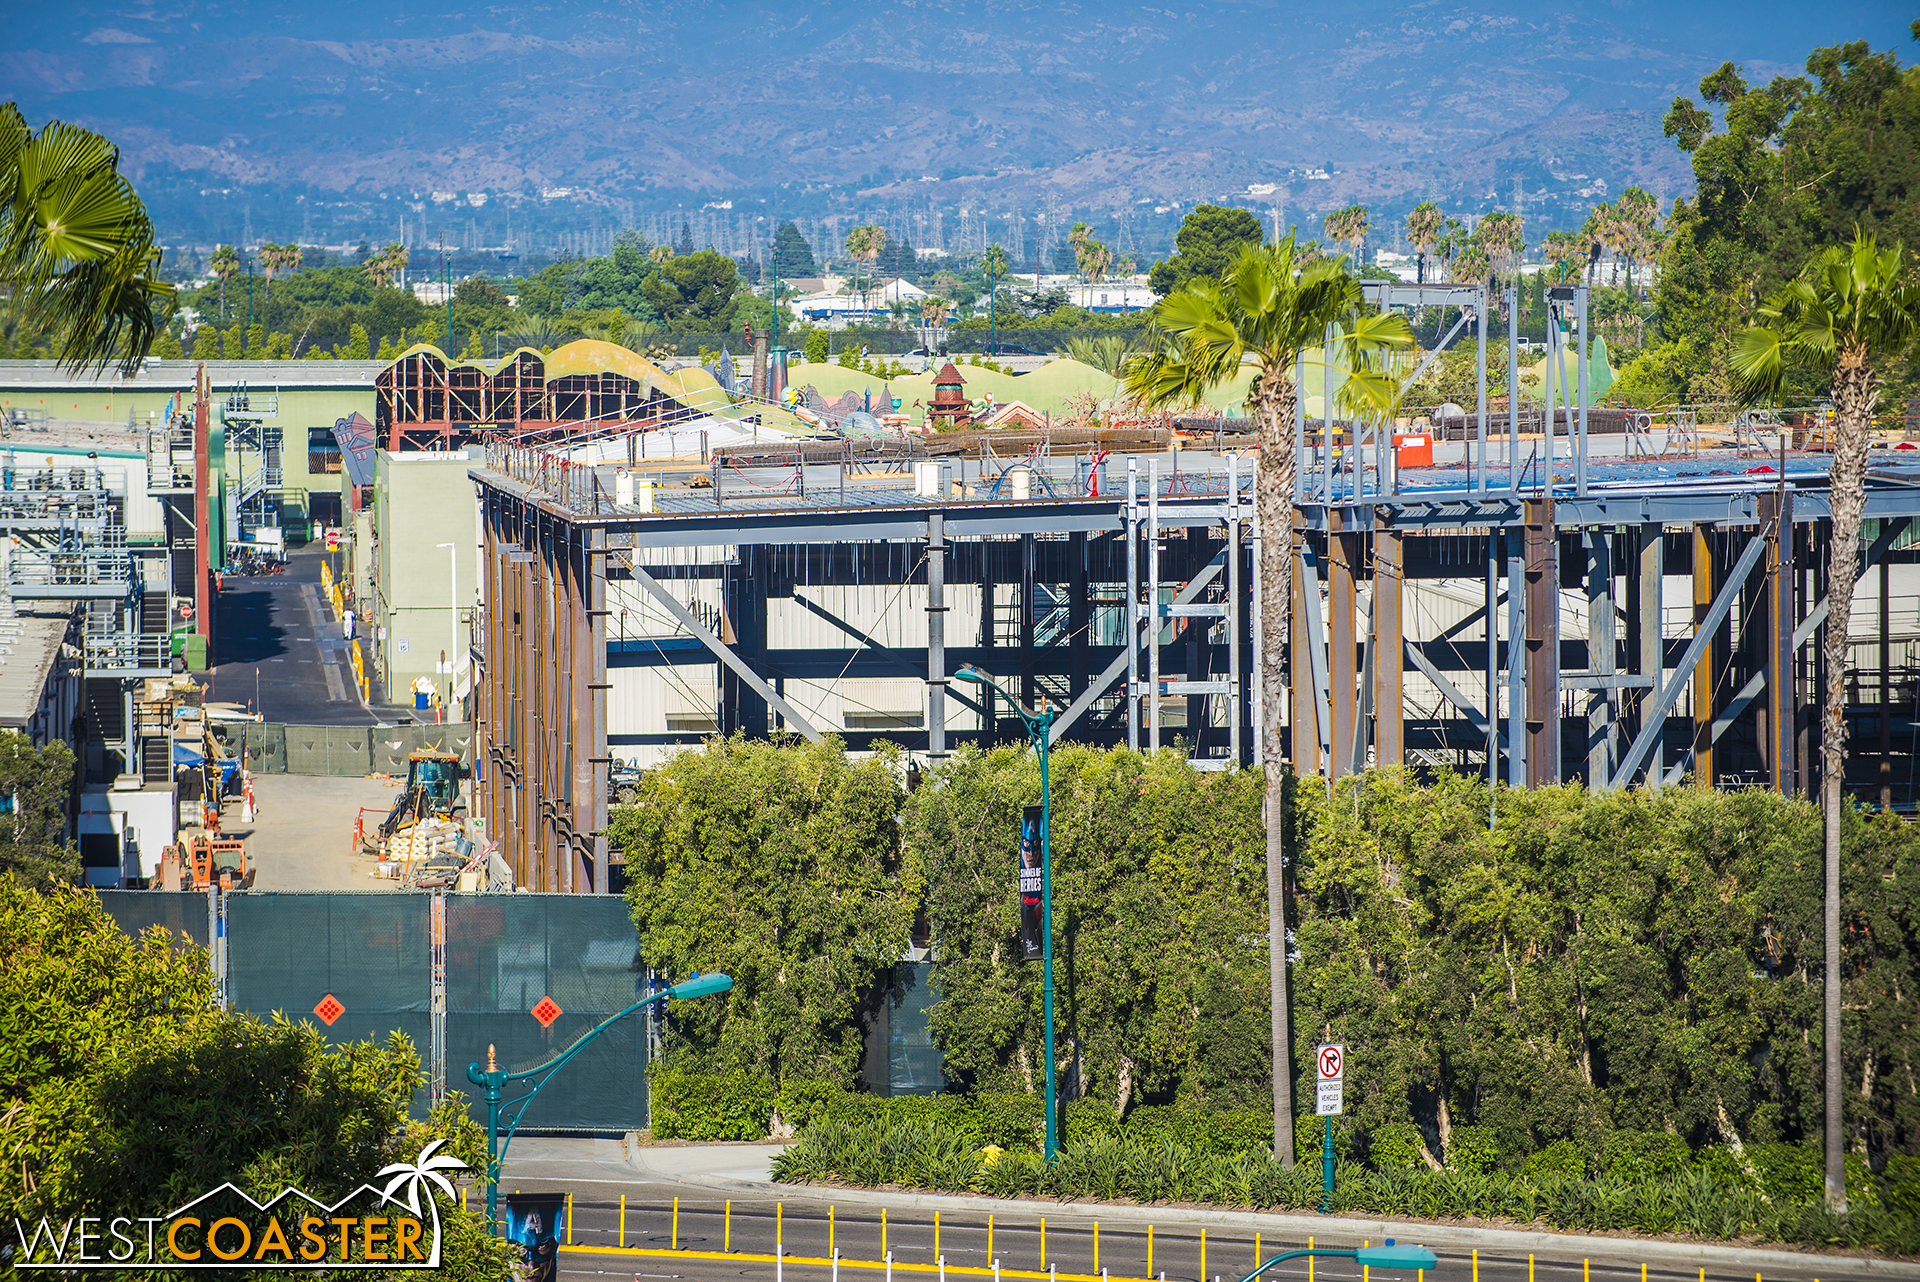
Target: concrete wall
{"points": [[313, 394], [420, 589]]}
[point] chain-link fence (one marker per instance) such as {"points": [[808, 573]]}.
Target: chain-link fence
{"points": [[361, 966], [271, 748]]}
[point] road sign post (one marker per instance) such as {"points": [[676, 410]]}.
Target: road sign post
{"points": [[1330, 1070]]}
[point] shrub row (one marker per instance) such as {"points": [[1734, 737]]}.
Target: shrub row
{"points": [[1700, 1199]]}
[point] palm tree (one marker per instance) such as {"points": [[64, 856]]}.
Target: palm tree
{"points": [[1640, 231], [385, 265], [863, 246], [1854, 310], [1499, 238], [1271, 308], [1564, 250], [225, 264], [76, 246], [424, 1172], [1423, 230], [994, 264], [270, 260], [1093, 260], [1348, 227]]}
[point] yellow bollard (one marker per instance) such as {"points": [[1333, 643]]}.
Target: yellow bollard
{"points": [[1203, 1255], [623, 1219], [569, 1219], [1586, 1271], [1096, 1246], [676, 1224], [1529, 1268], [1256, 1252], [936, 1235], [463, 1197], [1149, 1253], [1310, 1262], [729, 1223], [1043, 1241], [830, 1231], [1365, 1269], [883, 1235], [1476, 1265], [989, 1239], [779, 1226]]}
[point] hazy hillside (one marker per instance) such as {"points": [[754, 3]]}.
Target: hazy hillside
{"points": [[1109, 102]]}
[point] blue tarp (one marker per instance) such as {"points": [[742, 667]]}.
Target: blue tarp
{"points": [[185, 754]]}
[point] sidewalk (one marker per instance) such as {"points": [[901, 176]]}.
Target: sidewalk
{"points": [[743, 1169]]}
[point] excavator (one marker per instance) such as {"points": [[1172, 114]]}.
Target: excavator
{"points": [[432, 791], [202, 860]]}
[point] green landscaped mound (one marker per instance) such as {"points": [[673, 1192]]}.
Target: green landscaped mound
{"points": [[1047, 389]]}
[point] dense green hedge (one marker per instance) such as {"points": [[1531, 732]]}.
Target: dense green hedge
{"points": [[1714, 1195], [1588, 965]]}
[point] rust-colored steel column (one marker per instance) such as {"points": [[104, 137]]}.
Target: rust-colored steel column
{"points": [[1344, 567], [594, 821], [202, 487], [1782, 713], [1705, 588], [1303, 702], [1542, 576], [1389, 656]]}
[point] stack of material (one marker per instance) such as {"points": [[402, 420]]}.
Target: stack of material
{"points": [[423, 841]]}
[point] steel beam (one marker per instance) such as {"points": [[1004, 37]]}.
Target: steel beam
{"points": [[1122, 665], [1343, 572], [725, 654], [936, 637], [1654, 718], [1453, 693]]}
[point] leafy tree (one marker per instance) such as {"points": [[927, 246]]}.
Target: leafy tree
{"points": [[792, 255], [356, 344], [233, 344], [1208, 243], [480, 305], [1854, 310], [1271, 309], [33, 831], [77, 252], [128, 1091], [206, 343], [394, 312], [694, 292], [781, 867], [683, 247], [1793, 166], [817, 346], [617, 280], [256, 342], [328, 287], [168, 348]]}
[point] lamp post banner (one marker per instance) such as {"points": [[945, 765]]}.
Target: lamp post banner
{"points": [[1033, 928], [533, 1221]]}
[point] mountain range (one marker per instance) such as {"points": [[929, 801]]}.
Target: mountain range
{"points": [[1303, 106]]}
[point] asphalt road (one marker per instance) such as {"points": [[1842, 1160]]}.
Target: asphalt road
{"points": [[279, 651], [812, 1222]]}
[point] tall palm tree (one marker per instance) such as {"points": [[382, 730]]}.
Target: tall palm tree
{"points": [[994, 264], [225, 265], [1853, 310], [1349, 227], [1271, 307], [863, 246], [270, 260], [76, 246], [1640, 218], [1423, 230], [385, 265]]}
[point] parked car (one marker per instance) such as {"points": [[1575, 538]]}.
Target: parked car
{"points": [[1008, 349], [623, 781]]}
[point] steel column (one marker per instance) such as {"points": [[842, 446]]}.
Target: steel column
{"points": [[1343, 570], [936, 637], [1781, 714], [1387, 653], [1543, 644], [1704, 683], [1601, 726]]}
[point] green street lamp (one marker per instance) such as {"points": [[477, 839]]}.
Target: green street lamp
{"points": [[1039, 730], [1389, 1256], [494, 1079]]}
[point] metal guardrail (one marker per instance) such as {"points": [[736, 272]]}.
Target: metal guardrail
{"points": [[90, 571], [127, 653]]}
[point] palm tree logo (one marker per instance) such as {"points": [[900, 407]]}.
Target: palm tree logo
{"points": [[424, 1172]]}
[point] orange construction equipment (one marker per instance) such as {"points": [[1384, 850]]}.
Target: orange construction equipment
{"points": [[202, 860]]}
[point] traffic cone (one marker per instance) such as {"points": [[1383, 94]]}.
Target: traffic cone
{"points": [[246, 797]]}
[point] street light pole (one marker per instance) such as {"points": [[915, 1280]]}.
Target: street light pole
{"points": [[493, 1079], [453, 615], [1040, 730]]}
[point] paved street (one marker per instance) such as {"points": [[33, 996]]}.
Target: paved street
{"points": [[281, 653], [724, 1203]]}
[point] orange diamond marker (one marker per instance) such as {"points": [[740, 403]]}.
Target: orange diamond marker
{"points": [[547, 1011], [329, 1009]]}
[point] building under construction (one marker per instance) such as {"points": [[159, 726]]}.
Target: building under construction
{"points": [[1537, 594]]}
